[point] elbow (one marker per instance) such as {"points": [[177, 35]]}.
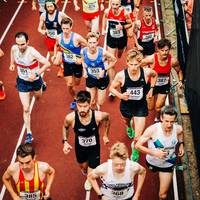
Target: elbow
{"points": [[136, 146]]}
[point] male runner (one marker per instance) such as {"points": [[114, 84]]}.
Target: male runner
{"points": [[29, 176], [133, 84], [162, 62], [70, 44], [162, 139], [95, 63], [117, 176], [85, 123], [27, 60], [50, 26], [2, 90]]}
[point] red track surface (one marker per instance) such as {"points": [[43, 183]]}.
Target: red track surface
{"points": [[48, 114]]}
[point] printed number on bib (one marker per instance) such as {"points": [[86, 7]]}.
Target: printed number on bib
{"points": [[135, 93], [69, 57], [118, 193], [128, 9], [92, 6], [87, 141], [30, 195], [148, 37], [162, 80], [52, 33], [94, 71], [116, 33]]}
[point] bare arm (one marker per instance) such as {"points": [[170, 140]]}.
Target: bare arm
{"points": [[110, 58], [1, 52], [104, 21], [6, 178], [76, 7], [148, 60], [12, 61], [180, 137], [41, 24], [34, 5], [105, 118], [176, 66], [128, 21]]}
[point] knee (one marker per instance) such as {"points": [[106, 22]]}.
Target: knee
{"points": [[162, 195], [157, 108], [26, 109], [69, 85]]}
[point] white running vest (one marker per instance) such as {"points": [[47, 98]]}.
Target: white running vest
{"points": [[117, 189], [165, 143], [26, 62]]}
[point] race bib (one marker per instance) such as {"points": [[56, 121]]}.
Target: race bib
{"points": [[147, 37], [24, 73], [116, 33], [94, 71], [52, 33], [171, 156], [128, 8], [162, 80], [87, 141], [92, 6], [135, 93], [118, 194], [30, 195], [70, 57]]}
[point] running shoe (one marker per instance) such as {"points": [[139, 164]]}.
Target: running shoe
{"points": [[29, 138], [2, 91], [87, 185], [135, 153], [60, 73], [73, 105], [130, 132]]}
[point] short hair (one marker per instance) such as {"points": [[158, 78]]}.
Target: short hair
{"points": [[133, 53], [119, 150], [164, 42], [169, 110], [66, 20], [22, 34], [147, 8], [92, 35], [25, 150], [45, 5], [83, 96]]}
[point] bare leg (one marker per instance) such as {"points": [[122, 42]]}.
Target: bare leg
{"points": [[101, 97], [160, 102], [95, 25]]}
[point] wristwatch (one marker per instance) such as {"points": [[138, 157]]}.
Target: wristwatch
{"points": [[100, 196]]}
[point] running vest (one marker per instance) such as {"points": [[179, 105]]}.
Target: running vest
{"points": [[164, 143], [26, 64], [116, 20], [53, 27], [33, 189], [163, 71], [90, 6], [69, 51], [136, 89], [94, 66], [86, 135], [117, 189], [147, 33], [41, 5]]}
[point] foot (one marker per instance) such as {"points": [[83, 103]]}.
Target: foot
{"points": [[87, 185], [135, 153], [60, 73], [29, 138], [73, 105]]}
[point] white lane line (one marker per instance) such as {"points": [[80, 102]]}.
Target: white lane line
{"points": [[31, 107], [11, 21]]}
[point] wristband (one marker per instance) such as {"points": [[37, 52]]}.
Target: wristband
{"points": [[100, 196], [36, 74], [64, 140], [181, 143]]}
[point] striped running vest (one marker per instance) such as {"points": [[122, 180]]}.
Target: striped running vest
{"points": [[30, 189]]}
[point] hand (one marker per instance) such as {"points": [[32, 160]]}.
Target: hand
{"points": [[101, 7], [76, 8], [47, 194], [135, 197], [103, 32], [159, 153], [125, 96], [34, 7], [32, 77], [12, 67], [140, 48], [101, 73], [119, 27], [150, 93], [78, 61], [85, 74], [180, 85], [181, 151], [105, 140], [43, 32], [67, 148], [16, 197]]}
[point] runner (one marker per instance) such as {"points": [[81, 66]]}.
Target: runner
{"points": [[95, 62], [85, 123], [117, 176], [2, 90], [29, 176], [162, 139], [91, 14], [133, 84], [147, 32], [49, 26], [162, 62], [118, 21], [27, 60], [70, 44]]}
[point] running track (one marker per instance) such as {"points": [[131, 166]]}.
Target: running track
{"points": [[48, 114]]}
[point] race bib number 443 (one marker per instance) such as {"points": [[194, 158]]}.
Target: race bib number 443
{"points": [[135, 93], [87, 141]]}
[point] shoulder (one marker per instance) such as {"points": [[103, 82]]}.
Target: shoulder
{"points": [[43, 16], [43, 166], [70, 117], [179, 128], [99, 115], [14, 47], [13, 168]]}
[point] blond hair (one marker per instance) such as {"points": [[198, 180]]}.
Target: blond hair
{"points": [[119, 150], [92, 35], [134, 54]]}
